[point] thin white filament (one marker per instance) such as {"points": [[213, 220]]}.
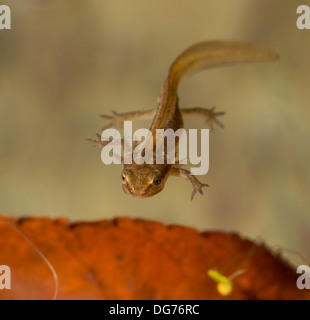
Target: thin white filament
{"points": [[39, 253]]}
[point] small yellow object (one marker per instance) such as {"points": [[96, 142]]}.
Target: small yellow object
{"points": [[224, 284], [224, 289]]}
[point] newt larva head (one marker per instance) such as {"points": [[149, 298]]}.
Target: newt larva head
{"points": [[142, 181]]}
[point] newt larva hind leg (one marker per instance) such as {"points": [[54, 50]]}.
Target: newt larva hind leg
{"points": [[210, 115], [117, 119]]}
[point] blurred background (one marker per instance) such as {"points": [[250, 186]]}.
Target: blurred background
{"points": [[64, 62]]}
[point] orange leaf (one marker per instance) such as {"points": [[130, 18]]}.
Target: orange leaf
{"points": [[136, 259]]}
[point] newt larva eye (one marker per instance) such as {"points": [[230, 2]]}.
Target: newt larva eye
{"points": [[124, 180], [157, 181]]}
